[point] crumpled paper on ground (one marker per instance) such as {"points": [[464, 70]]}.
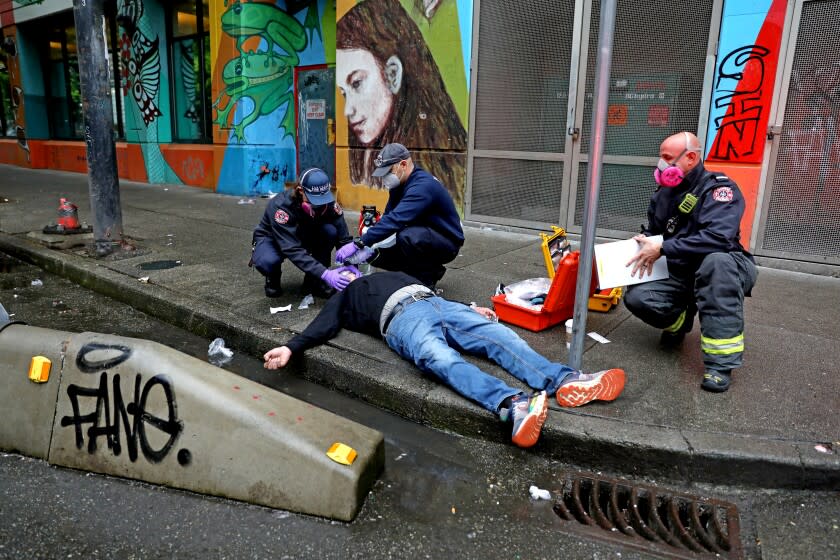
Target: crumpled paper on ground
{"points": [[539, 493]]}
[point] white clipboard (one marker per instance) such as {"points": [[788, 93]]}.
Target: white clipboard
{"points": [[611, 260]]}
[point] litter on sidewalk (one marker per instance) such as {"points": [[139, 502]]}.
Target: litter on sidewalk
{"points": [[218, 354], [538, 493]]}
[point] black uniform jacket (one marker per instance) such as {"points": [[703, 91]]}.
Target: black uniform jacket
{"points": [[289, 226], [712, 226], [421, 201], [358, 308]]}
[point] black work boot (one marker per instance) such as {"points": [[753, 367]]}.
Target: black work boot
{"points": [[716, 381], [272, 286]]}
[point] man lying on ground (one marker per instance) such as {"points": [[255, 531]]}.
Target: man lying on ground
{"points": [[432, 332]]}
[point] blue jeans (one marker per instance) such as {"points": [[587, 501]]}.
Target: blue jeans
{"points": [[432, 333]]}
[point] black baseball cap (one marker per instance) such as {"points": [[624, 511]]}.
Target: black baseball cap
{"points": [[390, 154]]}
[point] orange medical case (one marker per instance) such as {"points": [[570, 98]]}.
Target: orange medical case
{"points": [[559, 303]]}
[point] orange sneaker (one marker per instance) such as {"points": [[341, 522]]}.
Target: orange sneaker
{"points": [[528, 414], [581, 388]]}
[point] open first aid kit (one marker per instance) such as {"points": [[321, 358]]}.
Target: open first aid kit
{"points": [[516, 305]]}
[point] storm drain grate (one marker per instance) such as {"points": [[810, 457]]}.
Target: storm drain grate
{"points": [[647, 517]]}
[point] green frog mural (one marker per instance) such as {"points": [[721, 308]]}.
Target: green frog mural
{"points": [[266, 80], [264, 76]]}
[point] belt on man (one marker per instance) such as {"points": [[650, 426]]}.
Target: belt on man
{"points": [[403, 303]]}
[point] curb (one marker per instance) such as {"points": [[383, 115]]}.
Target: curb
{"points": [[570, 435]]}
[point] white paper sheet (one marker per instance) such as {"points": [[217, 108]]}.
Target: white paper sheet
{"points": [[611, 262], [595, 336]]}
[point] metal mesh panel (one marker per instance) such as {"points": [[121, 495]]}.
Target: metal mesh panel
{"points": [[656, 78], [623, 198], [517, 189], [656, 86], [522, 92], [804, 207]]}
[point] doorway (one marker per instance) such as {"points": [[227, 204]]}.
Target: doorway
{"points": [[315, 116]]}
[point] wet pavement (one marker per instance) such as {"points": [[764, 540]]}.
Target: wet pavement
{"points": [[440, 493], [776, 427]]}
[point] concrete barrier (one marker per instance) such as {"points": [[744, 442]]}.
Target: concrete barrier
{"points": [[138, 409], [27, 408]]}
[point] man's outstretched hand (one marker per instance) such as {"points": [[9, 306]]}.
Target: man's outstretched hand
{"points": [[277, 358]]}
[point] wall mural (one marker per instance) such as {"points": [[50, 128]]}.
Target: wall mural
{"points": [[261, 44], [744, 81], [141, 57], [268, 41], [141, 70], [186, 52], [398, 84]]}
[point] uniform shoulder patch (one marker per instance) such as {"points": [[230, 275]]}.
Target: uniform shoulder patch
{"points": [[723, 194], [338, 210], [281, 217]]}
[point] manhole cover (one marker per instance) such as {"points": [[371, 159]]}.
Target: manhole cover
{"points": [[159, 265], [650, 518]]}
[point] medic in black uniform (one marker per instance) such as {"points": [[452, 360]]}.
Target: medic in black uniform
{"points": [[698, 213], [302, 225], [419, 231]]}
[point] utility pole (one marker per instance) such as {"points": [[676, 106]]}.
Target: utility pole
{"points": [[593, 179], [103, 180]]}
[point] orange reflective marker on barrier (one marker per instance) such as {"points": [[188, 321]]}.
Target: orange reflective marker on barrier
{"points": [[341, 453], [39, 369]]}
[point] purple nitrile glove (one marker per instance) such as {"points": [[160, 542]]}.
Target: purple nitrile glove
{"points": [[335, 279], [345, 252], [360, 256]]}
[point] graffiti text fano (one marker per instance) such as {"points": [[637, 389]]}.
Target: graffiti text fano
{"points": [[132, 417]]}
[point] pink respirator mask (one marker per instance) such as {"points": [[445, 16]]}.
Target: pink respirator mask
{"points": [[668, 174], [312, 211]]}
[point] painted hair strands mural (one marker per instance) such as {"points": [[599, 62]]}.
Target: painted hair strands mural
{"points": [[394, 92]]}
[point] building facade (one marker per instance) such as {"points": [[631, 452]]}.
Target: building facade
{"points": [[493, 97]]}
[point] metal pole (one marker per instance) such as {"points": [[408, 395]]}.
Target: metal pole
{"points": [[593, 180], [103, 180]]}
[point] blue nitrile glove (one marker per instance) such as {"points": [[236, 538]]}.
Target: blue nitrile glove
{"points": [[362, 255], [345, 252], [335, 279]]}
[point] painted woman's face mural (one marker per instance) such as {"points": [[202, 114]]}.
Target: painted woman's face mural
{"points": [[368, 99]]}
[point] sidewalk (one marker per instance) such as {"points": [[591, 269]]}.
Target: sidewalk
{"points": [[763, 431]]}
